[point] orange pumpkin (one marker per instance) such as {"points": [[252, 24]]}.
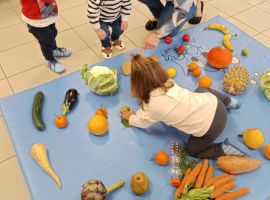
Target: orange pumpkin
{"points": [[219, 57], [98, 125]]}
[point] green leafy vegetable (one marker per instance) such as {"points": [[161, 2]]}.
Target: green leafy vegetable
{"points": [[265, 83], [186, 162], [101, 80], [125, 121]]}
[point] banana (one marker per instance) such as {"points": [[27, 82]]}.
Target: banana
{"points": [[219, 27], [227, 41]]}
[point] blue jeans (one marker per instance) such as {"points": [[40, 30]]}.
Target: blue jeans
{"points": [[164, 16], [116, 31]]}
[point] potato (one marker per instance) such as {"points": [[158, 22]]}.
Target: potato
{"points": [[237, 164]]}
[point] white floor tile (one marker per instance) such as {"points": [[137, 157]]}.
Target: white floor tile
{"points": [[61, 24], [267, 33], [137, 35], [142, 8], [6, 147], [2, 75], [75, 16], [136, 20], [5, 89], [78, 59], [9, 36], [8, 17], [70, 40], [4, 5], [14, 3], [87, 33], [265, 6], [263, 39], [31, 78], [13, 186], [65, 4], [261, 22], [21, 58], [255, 2], [210, 12], [243, 27], [230, 7]]}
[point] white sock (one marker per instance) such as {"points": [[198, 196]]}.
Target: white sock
{"points": [[231, 151]]}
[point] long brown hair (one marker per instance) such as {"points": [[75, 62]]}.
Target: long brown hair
{"points": [[146, 76]]}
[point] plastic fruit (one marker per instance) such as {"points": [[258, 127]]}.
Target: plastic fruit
{"points": [[154, 57], [139, 183], [180, 49], [219, 57], [266, 151], [61, 121], [192, 66], [98, 125], [126, 68], [168, 39], [245, 52], [227, 41], [162, 158], [102, 111], [205, 81], [186, 38], [171, 72], [196, 72], [219, 27], [253, 138]]}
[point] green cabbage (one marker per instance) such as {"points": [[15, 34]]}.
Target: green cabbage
{"points": [[100, 79], [265, 83]]}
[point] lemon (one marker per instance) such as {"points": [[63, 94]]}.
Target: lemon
{"points": [[253, 138], [171, 72]]}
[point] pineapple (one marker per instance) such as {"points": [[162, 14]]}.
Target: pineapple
{"points": [[236, 80], [95, 190]]}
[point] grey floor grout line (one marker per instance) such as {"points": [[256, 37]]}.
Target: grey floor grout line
{"points": [[7, 159], [10, 48]]}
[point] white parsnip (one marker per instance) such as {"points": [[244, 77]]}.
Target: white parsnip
{"points": [[39, 153]]}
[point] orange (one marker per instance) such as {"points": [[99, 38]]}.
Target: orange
{"points": [[102, 111], [253, 138], [205, 81], [196, 72], [192, 66], [61, 121], [162, 158], [98, 125], [266, 151]]}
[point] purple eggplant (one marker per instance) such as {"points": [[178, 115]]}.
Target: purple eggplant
{"points": [[70, 100]]}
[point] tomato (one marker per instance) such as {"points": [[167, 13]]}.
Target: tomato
{"points": [[180, 49], [168, 39], [61, 121], [186, 38]]}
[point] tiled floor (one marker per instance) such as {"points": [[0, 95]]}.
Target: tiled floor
{"points": [[22, 65]]}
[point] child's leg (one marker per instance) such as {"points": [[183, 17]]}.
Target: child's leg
{"points": [[116, 33], [106, 50], [58, 52], [155, 7], [228, 101], [46, 39]]}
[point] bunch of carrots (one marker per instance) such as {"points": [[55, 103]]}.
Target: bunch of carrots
{"points": [[202, 176]]}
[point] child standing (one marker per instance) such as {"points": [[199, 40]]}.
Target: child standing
{"points": [[103, 14], [40, 17], [202, 113]]}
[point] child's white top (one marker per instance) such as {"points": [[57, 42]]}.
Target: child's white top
{"points": [[187, 111]]}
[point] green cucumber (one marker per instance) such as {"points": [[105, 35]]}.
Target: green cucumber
{"points": [[36, 111]]}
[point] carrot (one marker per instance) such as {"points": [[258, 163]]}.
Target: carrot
{"points": [[234, 194], [209, 174], [182, 185], [219, 191], [218, 183], [191, 177], [201, 176], [215, 178]]}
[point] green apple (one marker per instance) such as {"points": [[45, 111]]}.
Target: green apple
{"points": [[245, 52]]}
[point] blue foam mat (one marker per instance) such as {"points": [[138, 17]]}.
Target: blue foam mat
{"points": [[77, 156]]}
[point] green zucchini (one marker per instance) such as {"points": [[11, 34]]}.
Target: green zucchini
{"points": [[36, 111]]}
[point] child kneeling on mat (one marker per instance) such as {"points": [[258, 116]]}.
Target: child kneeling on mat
{"points": [[40, 17], [201, 113], [103, 14]]}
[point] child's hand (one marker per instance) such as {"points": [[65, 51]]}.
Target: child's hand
{"points": [[126, 114], [101, 33], [151, 42], [124, 25]]}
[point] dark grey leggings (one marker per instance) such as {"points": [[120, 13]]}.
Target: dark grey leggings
{"points": [[203, 147]]}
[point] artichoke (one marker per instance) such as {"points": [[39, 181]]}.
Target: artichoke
{"points": [[265, 83], [101, 80]]}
